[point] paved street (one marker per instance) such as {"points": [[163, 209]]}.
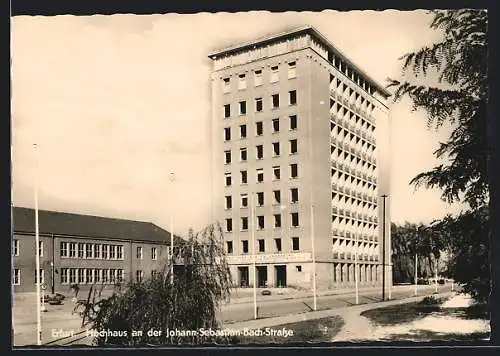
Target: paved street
{"points": [[245, 311]]}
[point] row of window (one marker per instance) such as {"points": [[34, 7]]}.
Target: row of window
{"points": [[294, 222], [349, 119], [258, 77], [345, 272], [349, 95], [16, 248], [259, 152], [259, 128], [276, 197], [274, 103], [276, 173], [91, 275], [16, 276], [359, 181], [261, 245]]}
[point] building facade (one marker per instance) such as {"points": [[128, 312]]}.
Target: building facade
{"points": [[83, 250], [300, 157]]}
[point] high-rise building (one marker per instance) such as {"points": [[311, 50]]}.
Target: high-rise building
{"points": [[297, 168]]}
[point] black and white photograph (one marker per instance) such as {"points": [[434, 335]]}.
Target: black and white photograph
{"points": [[250, 178]]}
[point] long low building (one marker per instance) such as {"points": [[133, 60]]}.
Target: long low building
{"points": [[83, 250]]}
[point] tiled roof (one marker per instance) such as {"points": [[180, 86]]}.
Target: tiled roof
{"points": [[61, 223]]}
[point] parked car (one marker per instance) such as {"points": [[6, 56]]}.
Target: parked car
{"points": [[266, 292], [423, 281]]}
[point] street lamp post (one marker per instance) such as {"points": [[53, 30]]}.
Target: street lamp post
{"points": [[172, 179], [37, 252], [416, 262], [383, 246]]}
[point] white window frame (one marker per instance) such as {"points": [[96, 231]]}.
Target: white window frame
{"points": [[242, 82], [16, 247], [64, 276], [226, 85], [16, 277], [258, 77], [275, 74], [292, 70], [119, 252], [41, 278], [154, 253], [243, 196], [97, 251], [139, 253]]}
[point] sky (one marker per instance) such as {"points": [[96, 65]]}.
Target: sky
{"points": [[115, 103]]}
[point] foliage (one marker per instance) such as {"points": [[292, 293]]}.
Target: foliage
{"points": [[201, 282], [431, 300], [460, 99]]}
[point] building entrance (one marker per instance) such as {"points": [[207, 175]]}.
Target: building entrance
{"points": [[262, 276], [243, 276], [280, 276]]}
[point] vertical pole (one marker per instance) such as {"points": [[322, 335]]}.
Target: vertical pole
{"points": [[53, 267], [171, 177], [254, 258], [416, 274], [383, 247], [313, 251], [37, 254], [356, 267], [436, 279]]}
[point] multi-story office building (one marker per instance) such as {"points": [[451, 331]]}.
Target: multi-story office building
{"points": [[83, 250], [297, 166]]}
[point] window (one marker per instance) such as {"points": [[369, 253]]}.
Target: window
{"points": [[97, 275], [139, 275], [229, 245], [226, 85], [139, 252], [276, 173], [293, 146], [81, 275], [243, 154], [112, 275], [262, 245], [63, 249], [64, 275], [277, 243], [40, 248], [244, 244], [292, 95], [72, 275], [243, 131], [229, 202], [112, 252], [16, 278], [260, 151], [259, 128], [274, 74], [295, 244], [260, 222], [244, 223], [294, 170], [105, 249], [97, 251], [277, 220], [257, 78], [242, 82], [244, 177], [119, 252], [260, 175], [227, 157], [299, 268], [89, 251], [258, 105], [277, 196], [293, 122], [154, 255], [294, 195], [275, 101], [276, 125], [260, 199], [227, 134], [40, 276], [295, 219], [244, 200], [81, 250], [89, 275], [292, 73], [276, 149], [228, 179], [229, 225], [243, 107], [72, 249], [153, 273], [227, 110]]}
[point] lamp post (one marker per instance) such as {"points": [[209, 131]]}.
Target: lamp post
{"points": [[416, 262], [252, 223], [356, 267], [384, 196], [313, 251], [37, 252], [171, 178]]}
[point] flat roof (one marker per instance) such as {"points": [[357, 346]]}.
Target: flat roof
{"points": [[300, 30]]}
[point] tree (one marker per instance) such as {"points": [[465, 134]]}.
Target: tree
{"points": [[201, 282], [460, 61]]}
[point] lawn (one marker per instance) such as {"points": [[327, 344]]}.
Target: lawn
{"points": [[318, 330]]}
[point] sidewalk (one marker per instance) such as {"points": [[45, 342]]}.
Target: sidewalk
{"points": [[349, 314]]}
